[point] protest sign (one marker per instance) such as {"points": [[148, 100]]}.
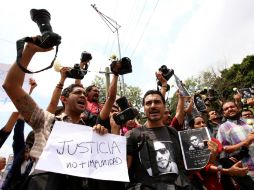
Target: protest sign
{"points": [[194, 147], [79, 151]]}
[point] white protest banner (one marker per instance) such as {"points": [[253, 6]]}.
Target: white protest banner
{"points": [[5, 102], [79, 151]]}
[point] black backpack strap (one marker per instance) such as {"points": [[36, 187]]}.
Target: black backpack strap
{"points": [[140, 137]]}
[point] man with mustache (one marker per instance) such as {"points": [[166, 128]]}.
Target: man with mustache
{"points": [[144, 152], [73, 98], [234, 134]]}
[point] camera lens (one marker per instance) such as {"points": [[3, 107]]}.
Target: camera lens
{"points": [[42, 18]]}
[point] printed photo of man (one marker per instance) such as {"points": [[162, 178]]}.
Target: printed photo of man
{"points": [[164, 160], [196, 143]]}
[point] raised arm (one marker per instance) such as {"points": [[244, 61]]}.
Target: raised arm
{"points": [[110, 99], [14, 81], [180, 113], [82, 64], [14, 116], [57, 92], [6, 130], [163, 81]]}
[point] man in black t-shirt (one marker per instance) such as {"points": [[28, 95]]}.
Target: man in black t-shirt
{"points": [[143, 146]]}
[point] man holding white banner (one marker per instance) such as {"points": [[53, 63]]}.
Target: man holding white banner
{"points": [[73, 98]]}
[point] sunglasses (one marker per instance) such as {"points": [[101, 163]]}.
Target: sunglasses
{"points": [[162, 150]]}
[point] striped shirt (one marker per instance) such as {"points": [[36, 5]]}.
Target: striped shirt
{"points": [[234, 132], [42, 121]]}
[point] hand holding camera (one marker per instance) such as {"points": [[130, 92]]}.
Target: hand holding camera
{"points": [[166, 74], [127, 113], [45, 42], [121, 67]]}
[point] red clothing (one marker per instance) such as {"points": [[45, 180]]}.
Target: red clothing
{"points": [[93, 107], [210, 179], [174, 123]]}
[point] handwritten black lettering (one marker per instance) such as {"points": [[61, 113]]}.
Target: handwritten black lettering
{"points": [[68, 165], [85, 149], [100, 148], [69, 147], [74, 164], [91, 145], [115, 146], [82, 164], [63, 148]]}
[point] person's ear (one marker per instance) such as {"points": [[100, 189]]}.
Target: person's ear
{"points": [[63, 99]]}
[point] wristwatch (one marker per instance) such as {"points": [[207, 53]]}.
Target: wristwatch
{"points": [[219, 168]]}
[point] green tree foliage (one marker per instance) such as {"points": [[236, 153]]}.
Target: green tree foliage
{"points": [[237, 76], [132, 93], [205, 80]]}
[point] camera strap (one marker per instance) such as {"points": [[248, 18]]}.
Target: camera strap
{"points": [[20, 47]]}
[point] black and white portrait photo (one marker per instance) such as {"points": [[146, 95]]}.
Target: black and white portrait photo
{"points": [[196, 143], [164, 159], [194, 147]]}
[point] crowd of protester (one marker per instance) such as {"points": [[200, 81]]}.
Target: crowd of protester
{"points": [[154, 156]]}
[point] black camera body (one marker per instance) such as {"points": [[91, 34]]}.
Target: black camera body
{"points": [[48, 38], [127, 113], [76, 72], [121, 67], [85, 56], [227, 163], [166, 73], [199, 103]]}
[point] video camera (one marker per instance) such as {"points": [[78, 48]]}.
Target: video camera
{"points": [[48, 38], [76, 72], [127, 113], [166, 73], [121, 67]]}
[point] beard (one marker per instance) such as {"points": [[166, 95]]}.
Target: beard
{"points": [[233, 117]]}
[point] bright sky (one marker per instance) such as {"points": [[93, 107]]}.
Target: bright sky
{"points": [[188, 36]]}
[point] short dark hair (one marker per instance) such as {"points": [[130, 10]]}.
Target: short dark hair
{"points": [[247, 109], [153, 92], [89, 88], [192, 121], [66, 92]]}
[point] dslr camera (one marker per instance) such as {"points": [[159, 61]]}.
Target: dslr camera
{"points": [[166, 73], [76, 72], [121, 67], [85, 56], [127, 113], [48, 38]]}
